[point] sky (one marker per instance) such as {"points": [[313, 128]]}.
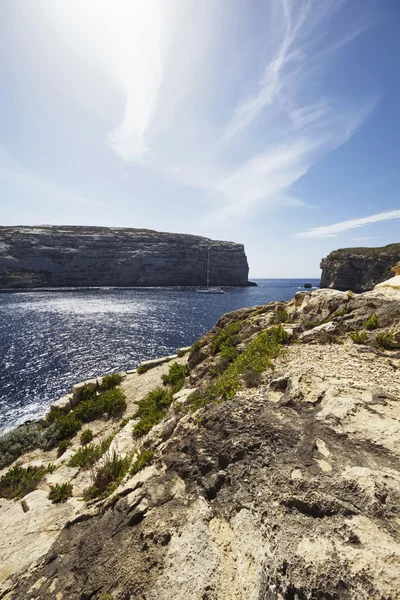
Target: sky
{"points": [[273, 123]]}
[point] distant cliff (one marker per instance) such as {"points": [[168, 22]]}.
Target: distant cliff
{"points": [[358, 269], [51, 256]]}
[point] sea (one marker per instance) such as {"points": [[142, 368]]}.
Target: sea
{"points": [[51, 339]]}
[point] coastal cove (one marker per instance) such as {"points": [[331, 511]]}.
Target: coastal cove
{"points": [[50, 340]]}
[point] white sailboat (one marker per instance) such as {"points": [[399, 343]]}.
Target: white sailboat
{"points": [[210, 290]]}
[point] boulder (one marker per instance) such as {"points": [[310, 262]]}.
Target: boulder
{"points": [[63, 403]]}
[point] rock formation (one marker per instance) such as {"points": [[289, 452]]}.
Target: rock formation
{"points": [[358, 269], [271, 475], [52, 256]]}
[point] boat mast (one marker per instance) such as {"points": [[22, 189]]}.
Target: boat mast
{"points": [[208, 267]]}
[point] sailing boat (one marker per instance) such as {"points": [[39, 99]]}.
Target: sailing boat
{"points": [[210, 290]]}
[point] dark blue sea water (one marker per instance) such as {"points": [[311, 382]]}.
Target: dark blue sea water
{"points": [[51, 340]]}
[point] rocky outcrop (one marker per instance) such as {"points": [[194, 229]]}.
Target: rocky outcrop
{"points": [[358, 269], [289, 489], [52, 256]]}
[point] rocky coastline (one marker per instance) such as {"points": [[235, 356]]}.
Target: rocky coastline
{"points": [[262, 462], [59, 257], [358, 269]]}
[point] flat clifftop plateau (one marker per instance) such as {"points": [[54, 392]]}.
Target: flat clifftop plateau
{"points": [[358, 269], [262, 463], [50, 256]]}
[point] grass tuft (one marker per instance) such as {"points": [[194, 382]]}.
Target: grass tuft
{"points": [[142, 460], [359, 337], [20, 481], [152, 409], [108, 477], [175, 377], [372, 322], [385, 339], [60, 493], [86, 456]]}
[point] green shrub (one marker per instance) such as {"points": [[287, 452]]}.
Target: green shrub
{"points": [[23, 439], [359, 337], [108, 477], [256, 357], [60, 492], [105, 596], [180, 353], [175, 377], [372, 322], [111, 381], [86, 436], [67, 426], [152, 408], [112, 402], [228, 353], [385, 339], [226, 336], [87, 394], [142, 369], [62, 447], [19, 481], [86, 456], [142, 460], [281, 316]]}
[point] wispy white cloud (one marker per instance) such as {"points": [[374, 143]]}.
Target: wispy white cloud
{"points": [[180, 113], [336, 228], [19, 177]]}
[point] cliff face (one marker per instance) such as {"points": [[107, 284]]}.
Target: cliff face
{"points": [[97, 256], [358, 269], [285, 486]]}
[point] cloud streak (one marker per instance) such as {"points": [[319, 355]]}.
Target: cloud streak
{"points": [[336, 228], [179, 74]]}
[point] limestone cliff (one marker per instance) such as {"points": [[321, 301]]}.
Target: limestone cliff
{"points": [[49, 256], [273, 474], [358, 269]]}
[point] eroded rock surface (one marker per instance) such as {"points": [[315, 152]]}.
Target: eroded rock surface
{"points": [[50, 256], [289, 489]]}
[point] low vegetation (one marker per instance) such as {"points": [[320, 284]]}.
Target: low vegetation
{"points": [[142, 369], [175, 377], [142, 460], [86, 437], [108, 477], [228, 336], [359, 337], [88, 455], [61, 425], [62, 447], [255, 359], [60, 493], [20, 481], [281, 316], [385, 339], [152, 409], [20, 440], [105, 596], [110, 381], [372, 322]]}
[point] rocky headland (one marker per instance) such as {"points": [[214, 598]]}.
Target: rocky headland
{"points": [[51, 256], [261, 463], [358, 269]]}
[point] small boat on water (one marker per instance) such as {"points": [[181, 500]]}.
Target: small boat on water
{"points": [[211, 291], [208, 289]]}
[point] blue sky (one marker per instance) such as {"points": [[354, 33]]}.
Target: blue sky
{"points": [[273, 123]]}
